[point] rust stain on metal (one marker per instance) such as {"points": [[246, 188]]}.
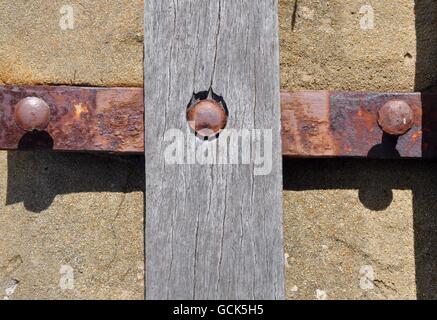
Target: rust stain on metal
{"points": [[314, 123], [79, 109], [120, 127], [355, 125], [345, 124]]}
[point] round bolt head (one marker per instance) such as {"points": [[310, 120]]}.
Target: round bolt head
{"points": [[396, 117], [32, 114], [207, 118]]}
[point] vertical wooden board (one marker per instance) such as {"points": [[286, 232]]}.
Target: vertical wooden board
{"points": [[212, 231]]}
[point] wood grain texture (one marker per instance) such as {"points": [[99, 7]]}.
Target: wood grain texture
{"points": [[212, 231]]}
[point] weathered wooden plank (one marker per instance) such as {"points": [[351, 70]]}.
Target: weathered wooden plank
{"points": [[213, 231]]}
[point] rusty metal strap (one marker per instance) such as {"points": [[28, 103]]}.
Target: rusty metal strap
{"points": [[81, 119], [314, 123]]}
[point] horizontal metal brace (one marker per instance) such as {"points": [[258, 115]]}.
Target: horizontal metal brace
{"points": [[314, 123], [81, 119], [347, 124]]}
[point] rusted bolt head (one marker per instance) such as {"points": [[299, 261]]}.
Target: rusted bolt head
{"points": [[396, 117], [32, 114], [207, 118]]}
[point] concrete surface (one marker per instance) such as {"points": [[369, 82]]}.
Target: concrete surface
{"points": [[71, 226], [360, 229]]}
